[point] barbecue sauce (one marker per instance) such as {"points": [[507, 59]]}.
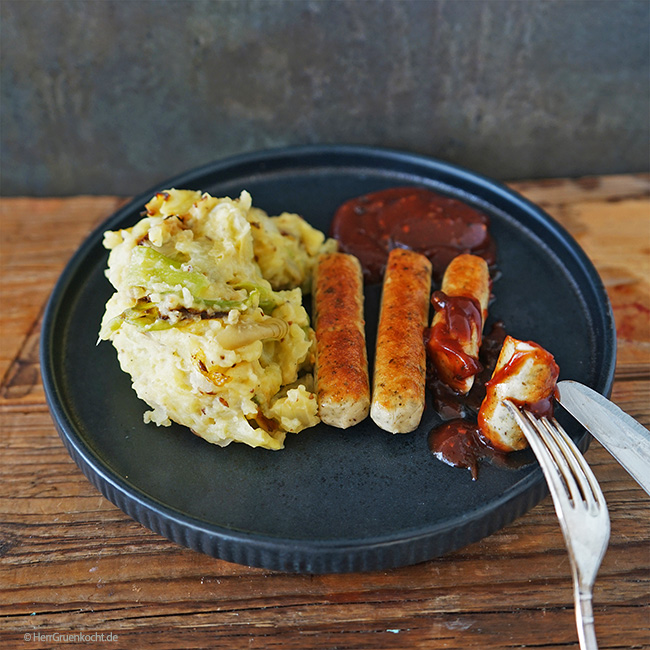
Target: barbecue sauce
{"points": [[458, 441], [435, 225], [462, 320]]}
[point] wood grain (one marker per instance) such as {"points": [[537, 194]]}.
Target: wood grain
{"points": [[610, 218], [72, 563]]}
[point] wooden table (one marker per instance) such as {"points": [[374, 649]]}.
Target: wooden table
{"points": [[72, 563]]}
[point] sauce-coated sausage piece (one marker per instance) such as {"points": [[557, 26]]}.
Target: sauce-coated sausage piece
{"points": [[400, 358], [525, 374], [342, 384], [461, 309]]}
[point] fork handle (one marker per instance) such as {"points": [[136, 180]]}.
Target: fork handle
{"points": [[585, 619]]}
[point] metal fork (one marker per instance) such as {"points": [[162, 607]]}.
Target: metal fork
{"points": [[580, 507]]}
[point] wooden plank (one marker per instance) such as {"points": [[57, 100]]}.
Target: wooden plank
{"points": [[90, 552], [37, 238], [71, 562], [610, 218]]}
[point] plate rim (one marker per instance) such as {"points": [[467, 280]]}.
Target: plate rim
{"points": [[300, 555]]}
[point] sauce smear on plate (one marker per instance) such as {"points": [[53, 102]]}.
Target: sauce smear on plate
{"points": [[435, 225]]}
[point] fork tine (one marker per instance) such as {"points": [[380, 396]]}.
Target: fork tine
{"points": [[586, 529], [566, 469], [589, 476], [582, 473], [549, 467]]}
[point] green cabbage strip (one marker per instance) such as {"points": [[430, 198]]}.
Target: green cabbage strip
{"points": [[144, 315], [149, 267], [268, 300]]}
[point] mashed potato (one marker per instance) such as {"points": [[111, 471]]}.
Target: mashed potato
{"points": [[207, 316]]}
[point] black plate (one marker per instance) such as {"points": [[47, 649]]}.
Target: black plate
{"points": [[332, 500]]}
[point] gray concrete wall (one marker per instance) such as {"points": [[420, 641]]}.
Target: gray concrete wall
{"points": [[112, 96]]}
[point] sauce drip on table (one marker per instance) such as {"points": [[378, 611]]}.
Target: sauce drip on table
{"points": [[435, 225]]}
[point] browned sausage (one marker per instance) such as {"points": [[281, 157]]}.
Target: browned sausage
{"points": [[400, 358], [342, 384]]}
